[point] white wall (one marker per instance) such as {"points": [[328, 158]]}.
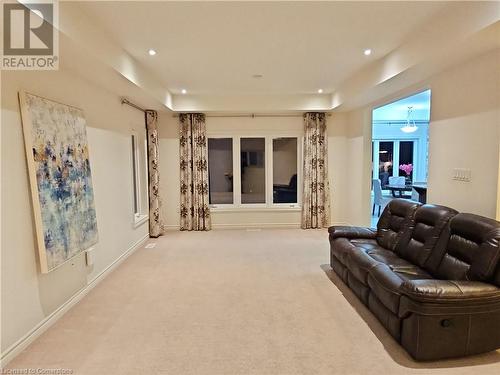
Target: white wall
{"points": [[465, 116], [218, 126], [27, 296], [338, 167], [358, 155], [169, 169], [463, 133]]}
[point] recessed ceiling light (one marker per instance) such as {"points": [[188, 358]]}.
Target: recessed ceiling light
{"points": [[367, 52], [151, 52], [320, 91], [184, 91]]}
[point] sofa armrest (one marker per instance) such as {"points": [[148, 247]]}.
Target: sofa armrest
{"points": [[449, 291], [340, 231]]}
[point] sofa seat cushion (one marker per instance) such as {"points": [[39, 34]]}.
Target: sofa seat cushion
{"points": [[388, 257], [365, 243], [385, 282], [367, 255]]}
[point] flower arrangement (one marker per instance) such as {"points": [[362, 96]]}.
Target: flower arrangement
{"points": [[406, 168]]}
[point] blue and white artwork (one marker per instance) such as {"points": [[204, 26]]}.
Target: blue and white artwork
{"points": [[61, 181]]}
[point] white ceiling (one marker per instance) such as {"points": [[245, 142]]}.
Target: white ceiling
{"points": [[299, 47]]}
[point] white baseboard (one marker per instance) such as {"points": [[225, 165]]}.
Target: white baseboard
{"points": [[256, 225], [174, 227], [41, 327]]}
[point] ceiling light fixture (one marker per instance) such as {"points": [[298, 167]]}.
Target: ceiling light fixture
{"points": [[184, 91], [320, 91], [410, 126], [151, 52], [367, 52]]}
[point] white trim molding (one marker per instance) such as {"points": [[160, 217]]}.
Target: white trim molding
{"points": [[176, 227], [49, 320], [254, 208], [257, 226], [140, 219]]}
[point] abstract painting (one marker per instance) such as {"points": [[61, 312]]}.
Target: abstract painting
{"points": [[57, 150]]}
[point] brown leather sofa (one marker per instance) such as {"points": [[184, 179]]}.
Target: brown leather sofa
{"points": [[431, 276]]}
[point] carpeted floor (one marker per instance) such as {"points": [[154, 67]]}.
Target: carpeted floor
{"points": [[229, 302]]}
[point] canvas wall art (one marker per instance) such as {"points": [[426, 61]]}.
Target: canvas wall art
{"points": [[61, 183]]}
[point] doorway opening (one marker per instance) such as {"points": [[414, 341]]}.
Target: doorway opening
{"points": [[400, 143]]}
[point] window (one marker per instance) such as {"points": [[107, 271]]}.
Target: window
{"points": [[139, 177], [285, 170], [220, 170], [254, 171]]}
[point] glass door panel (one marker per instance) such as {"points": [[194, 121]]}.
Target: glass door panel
{"points": [[406, 164], [385, 164], [253, 173]]}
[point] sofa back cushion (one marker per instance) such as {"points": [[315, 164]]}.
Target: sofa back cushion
{"points": [[398, 215], [420, 239], [470, 249]]}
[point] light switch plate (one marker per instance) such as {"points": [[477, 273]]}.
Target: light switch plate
{"points": [[462, 174]]}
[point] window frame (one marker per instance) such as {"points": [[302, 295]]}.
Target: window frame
{"points": [[140, 212], [268, 162]]}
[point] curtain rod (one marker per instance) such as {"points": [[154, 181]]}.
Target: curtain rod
{"points": [[129, 103], [253, 115]]}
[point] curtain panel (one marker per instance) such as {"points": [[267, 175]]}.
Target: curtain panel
{"points": [[316, 192], [155, 223], [195, 213]]}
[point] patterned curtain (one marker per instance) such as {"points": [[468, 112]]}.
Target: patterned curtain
{"points": [[155, 224], [195, 214], [315, 199]]}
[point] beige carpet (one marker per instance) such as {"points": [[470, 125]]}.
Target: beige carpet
{"points": [[229, 302]]}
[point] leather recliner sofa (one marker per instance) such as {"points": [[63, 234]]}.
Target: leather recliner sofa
{"points": [[429, 274]]}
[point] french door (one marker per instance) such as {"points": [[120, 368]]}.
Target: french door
{"points": [[389, 155]]}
